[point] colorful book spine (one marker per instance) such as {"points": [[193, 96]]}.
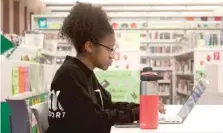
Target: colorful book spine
{"points": [[15, 80], [21, 79], [27, 83]]}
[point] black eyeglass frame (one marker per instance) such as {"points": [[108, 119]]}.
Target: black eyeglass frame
{"points": [[111, 49]]}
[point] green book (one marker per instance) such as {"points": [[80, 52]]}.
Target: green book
{"points": [[5, 45]]}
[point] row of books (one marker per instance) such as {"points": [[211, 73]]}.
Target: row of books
{"points": [[160, 62], [160, 49], [180, 100], [164, 88], [205, 39], [184, 86], [185, 67], [53, 36], [165, 74], [148, 35], [26, 77], [165, 100]]}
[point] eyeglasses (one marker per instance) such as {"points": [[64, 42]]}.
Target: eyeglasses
{"points": [[111, 49]]}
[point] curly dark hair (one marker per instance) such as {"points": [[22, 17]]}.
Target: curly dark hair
{"points": [[86, 22]]}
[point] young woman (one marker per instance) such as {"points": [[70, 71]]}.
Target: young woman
{"points": [[77, 102]]}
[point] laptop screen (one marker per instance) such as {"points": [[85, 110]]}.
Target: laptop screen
{"points": [[192, 100]]}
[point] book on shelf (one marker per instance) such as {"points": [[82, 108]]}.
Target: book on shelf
{"points": [[160, 63], [184, 86], [164, 89], [185, 67], [165, 100], [180, 100]]}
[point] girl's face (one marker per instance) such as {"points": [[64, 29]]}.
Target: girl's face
{"points": [[103, 53]]}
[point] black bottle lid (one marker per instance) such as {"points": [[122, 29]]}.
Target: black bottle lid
{"points": [[147, 69], [149, 76]]}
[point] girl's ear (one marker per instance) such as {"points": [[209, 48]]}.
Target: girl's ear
{"points": [[88, 46]]}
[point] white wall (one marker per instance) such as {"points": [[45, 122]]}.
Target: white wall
{"points": [[210, 66]]}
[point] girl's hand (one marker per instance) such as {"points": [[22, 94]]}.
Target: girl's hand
{"points": [[162, 109]]}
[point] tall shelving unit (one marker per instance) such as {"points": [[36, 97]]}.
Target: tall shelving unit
{"points": [[161, 45], [183, 76]]}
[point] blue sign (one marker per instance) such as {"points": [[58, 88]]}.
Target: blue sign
{"points": [[42, 23]]}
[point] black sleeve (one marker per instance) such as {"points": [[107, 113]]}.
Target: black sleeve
{"points": [[118, 105], [124, 105], [77, 101]]}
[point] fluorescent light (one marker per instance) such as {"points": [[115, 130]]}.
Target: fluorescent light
{"points": [[154, 14], [143, 7], [59, 7], [185, 7], [64, 14], [134, 14]]}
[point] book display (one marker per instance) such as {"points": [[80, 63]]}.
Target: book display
{"points": [[23, 76]]}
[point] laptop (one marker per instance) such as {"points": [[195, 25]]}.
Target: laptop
{"points": [[183, 113], [188, 105]]}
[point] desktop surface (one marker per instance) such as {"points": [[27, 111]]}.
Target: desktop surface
{"points": [[202, 119]]}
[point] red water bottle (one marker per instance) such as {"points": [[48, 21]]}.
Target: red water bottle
{"points": [[149, 99]]}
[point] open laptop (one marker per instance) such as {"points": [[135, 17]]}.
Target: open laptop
{"points": [[197, 91], [188, 105]]}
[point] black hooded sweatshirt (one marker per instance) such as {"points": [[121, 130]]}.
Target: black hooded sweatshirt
{"points": [[79, 104]]}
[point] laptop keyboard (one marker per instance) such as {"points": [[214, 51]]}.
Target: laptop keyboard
{"points": [[167, 118], [172, 118]]}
